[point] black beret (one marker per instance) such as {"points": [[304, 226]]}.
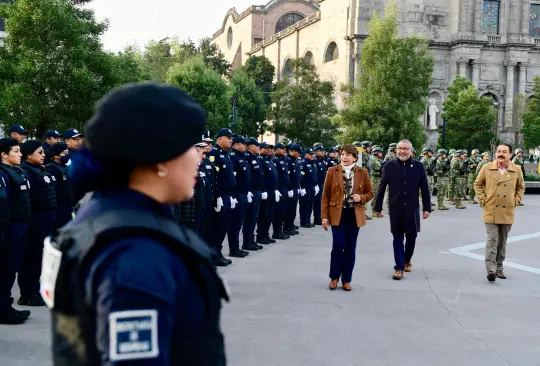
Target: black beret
{"points": [[28, 147], [56, 149], [144, 124], [7, 143]]}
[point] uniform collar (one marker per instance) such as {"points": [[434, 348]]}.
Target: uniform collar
{"points": [[132, 199]]}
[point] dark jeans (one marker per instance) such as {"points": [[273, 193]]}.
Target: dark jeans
{"points": [[12, 251], [30, 270], [238, 215], [344, 246], [279, 211], [317, 202], [306, 205], [220, 223], [290, 214], [266, 212], [403, 254], [252, 212]]}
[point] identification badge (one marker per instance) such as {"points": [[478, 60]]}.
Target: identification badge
{"points": [[224, 166], [133, 335], [222, 156], [217, 169], [50, 265], [47, 179], [208, 166], [254, 162], [202, 174], [244, 168], [212, 158], [23, 187]]}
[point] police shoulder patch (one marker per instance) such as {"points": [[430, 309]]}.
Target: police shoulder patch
{"points": [[212, 158], [133, 335]]}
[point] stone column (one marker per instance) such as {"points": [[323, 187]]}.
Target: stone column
{"points": [[463, 16], [357, 64], [522, 77], [513, 21], [462, 65], [525, 15], [509, 93], [478, 17], [476, 72]]}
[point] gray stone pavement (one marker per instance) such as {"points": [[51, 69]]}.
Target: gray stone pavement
{"points": [[442, 313]]}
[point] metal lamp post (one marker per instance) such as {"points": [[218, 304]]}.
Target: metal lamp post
{"points": [[234, 101]]}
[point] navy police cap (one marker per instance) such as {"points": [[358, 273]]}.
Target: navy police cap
{"points": [[279, 146], [295, 147], [224, 132], [239, 139], [162, 122], [252, 141], [308, 151]]}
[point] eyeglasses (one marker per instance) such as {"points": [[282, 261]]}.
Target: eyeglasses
{"points": [[403, 148]]}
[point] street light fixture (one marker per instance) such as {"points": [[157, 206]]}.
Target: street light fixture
{"points": [[234, 101]]}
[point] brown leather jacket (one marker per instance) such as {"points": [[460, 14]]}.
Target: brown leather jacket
{"points": [[333, 194]]}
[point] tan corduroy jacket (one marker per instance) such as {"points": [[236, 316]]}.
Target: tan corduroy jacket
{"points": [[499, 193], [334, 192]]}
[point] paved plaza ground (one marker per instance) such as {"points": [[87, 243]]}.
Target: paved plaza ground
{"points": [[442, 313]]}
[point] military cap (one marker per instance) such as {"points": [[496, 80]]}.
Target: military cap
{"points": [[308, 151], [161, 120], [266, 145], [376, 150], [201, 144], [56, 149], [425, 150], [518, 150], [17, 128], [279, 146], [295, 147], [452, 151], [52, 133], [475, 151], [465, 151], [366, 144], [442, 151], [357, 143], [485, 154], [28, 147], [252, 141], [319, 148], [337, 147], [374, 146], [317, 144], [331, 150], [392, 145], [71, 133], [239, 139]]}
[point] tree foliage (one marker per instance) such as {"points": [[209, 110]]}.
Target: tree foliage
{"points": [[53, 68], [303, 106], [470, 118], [260, 69], [206, 86], [251, 108], [531, 118], [393, 86]]}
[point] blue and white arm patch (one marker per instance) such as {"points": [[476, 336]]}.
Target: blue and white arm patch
{"points": [[133, 335]]}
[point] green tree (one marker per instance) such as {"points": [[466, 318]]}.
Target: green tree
{"points": [[206, 86], [303, 106], [470, 118], [157, 59], [393, 87], [251, 108], [531, 119], [260, 69], [53, 68]]}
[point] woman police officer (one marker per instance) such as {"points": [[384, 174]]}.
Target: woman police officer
{"points": [[134, 287]]}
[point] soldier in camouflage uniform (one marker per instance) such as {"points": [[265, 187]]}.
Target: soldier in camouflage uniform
{"points": [[376, 171], [427, 159], [474, 160], [449, 158], [483, 161], [390, 155], [441, 172], [456, 181], [464, 183], [518, 160], [366, 145]]}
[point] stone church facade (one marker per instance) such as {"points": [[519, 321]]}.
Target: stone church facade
{"points": [[493, 43]]}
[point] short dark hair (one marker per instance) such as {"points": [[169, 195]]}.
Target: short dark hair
{"points": [[6, 144], [507, 145], [350, 149]]}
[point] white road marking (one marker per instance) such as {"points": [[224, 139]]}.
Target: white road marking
{"points": [[466, 250]]}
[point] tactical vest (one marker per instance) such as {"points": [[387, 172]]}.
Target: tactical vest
{"points": [[4, 205], [42, 194], [19, 194], [82, 244], [64, 193]]}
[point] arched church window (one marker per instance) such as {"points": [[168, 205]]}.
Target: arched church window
{"points": [[534, 21], [229, 37], [490, 16], [331, 53], [309, 57], [287, 20]]}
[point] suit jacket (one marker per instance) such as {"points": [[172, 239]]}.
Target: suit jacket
{"points": [[334, 193], [499, 193]]}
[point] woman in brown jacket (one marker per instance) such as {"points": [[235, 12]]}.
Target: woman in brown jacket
{"points": [[347, 189]]}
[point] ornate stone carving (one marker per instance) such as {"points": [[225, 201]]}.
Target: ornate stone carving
{"points": [[510, 64]]}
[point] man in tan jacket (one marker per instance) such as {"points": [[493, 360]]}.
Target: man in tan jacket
{"points": [[499, 188]]}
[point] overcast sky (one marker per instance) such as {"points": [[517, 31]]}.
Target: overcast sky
{"points": [[137, 21]]}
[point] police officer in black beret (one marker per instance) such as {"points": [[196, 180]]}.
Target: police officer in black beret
{"points": [[43, 205], [133, 286], [16, 231], [270, 178], [320, 162], [332, 158], [207, 167], [283, 187], [293, 191], [242, 194], [308, 182], [59, 157], [257, 190], [223, 194]]}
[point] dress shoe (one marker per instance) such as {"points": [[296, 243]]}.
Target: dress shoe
{"points": [[408, 267], [280, 236], [291, 232], [312, 225], [296, 227], [32, 300], [253, 247], [272, 241], [308, 226], [12, 316], [221, 262], [491, 277], [398, 274], [317, 222], [238, 254], [333, 284], [263, 241], [500, 274], [347, 286]]}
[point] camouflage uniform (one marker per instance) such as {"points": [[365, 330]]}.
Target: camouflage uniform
{"points": [[473, 164], [456, 181], [426, 161], [441, 171], [519, 162], [376, 171]]}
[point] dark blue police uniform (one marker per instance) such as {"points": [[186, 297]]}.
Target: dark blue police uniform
{"points": [[242, 173], [252, 210], [308, 181], [16, 233], [292, 203], [321, 177], [64, 195], [224, 187], [43, 205], [267, 206], [203, 218], [281, 207], [331, 163]]}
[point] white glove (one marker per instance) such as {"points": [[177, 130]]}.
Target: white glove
{"points": [[277, 195], [249, 197], [233, 203], [303, 192], [264, 196], [317, 190], [290, 193], [219, 204]]}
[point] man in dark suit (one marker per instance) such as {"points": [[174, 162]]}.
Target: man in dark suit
{"points": [[404, 176]]}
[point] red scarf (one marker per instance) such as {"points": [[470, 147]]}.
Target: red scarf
{"points": [[502, 167]]}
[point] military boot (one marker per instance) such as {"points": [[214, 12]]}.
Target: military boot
{"points": [[458, 204]]}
